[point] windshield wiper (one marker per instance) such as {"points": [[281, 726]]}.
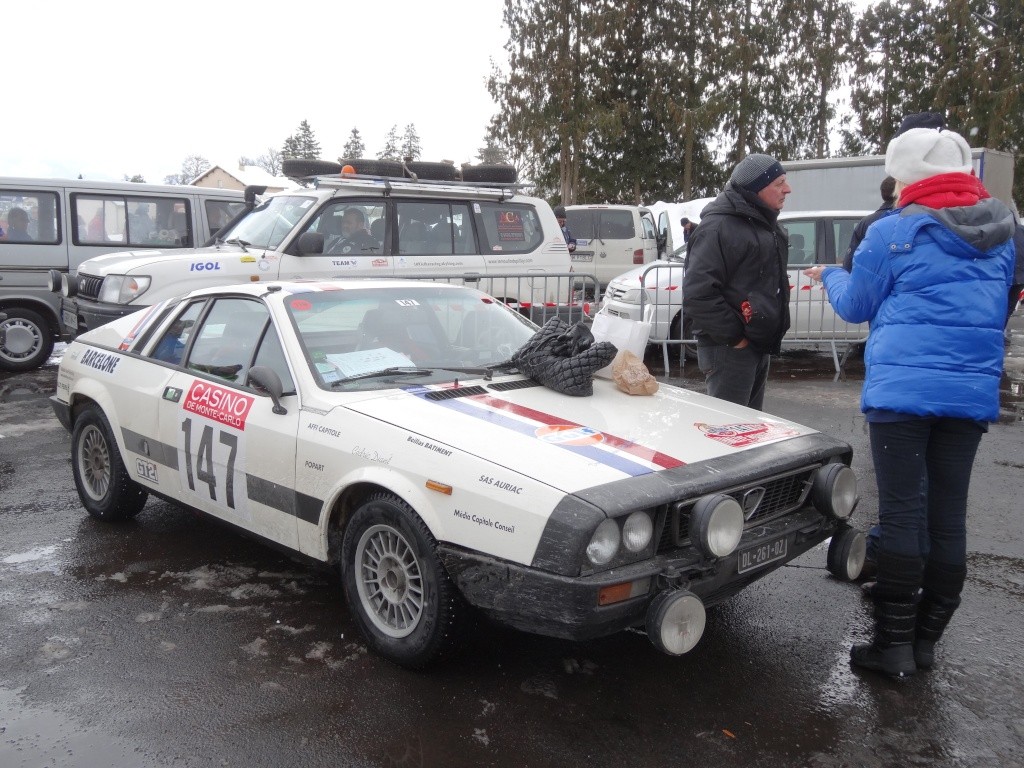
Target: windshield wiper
{"points": [[398, 370], [240, 243], [504, 365]]}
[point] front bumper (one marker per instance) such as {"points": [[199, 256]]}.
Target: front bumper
{"points": [[567, 606], [79, 315]]}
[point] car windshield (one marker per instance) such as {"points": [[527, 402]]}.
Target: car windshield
{"points": [[373, 338], [268, 223]]}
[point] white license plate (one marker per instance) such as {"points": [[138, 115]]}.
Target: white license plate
{"points": [[70, 319], [761, 555], [586, 256]]}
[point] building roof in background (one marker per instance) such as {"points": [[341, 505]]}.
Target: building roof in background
{"points": [[248, 174]]}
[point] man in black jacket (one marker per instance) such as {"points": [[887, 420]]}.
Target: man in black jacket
{"points": [[888, 191], [736, 287]]}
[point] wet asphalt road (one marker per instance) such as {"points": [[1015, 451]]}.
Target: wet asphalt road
{"points": [[171, 641]]}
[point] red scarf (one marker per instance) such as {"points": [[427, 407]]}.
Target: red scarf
{"points": [[947, 190]]}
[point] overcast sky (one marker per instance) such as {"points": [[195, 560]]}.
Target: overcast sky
{"points": [[105, 88], [108, 88]]}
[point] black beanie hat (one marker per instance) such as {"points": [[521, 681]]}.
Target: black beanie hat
{"points": [[755, 172], [921, 120]]}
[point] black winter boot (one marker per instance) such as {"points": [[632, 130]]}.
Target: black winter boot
{"points": [[895, 598], [940, 598]]}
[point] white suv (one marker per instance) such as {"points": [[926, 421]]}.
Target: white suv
{"points": [[815, 237], [376, 219]]}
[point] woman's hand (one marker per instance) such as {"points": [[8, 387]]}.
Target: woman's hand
{"points": [[814, 273]]}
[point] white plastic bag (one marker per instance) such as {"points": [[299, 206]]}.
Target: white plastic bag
{"points": [[629, 335]]}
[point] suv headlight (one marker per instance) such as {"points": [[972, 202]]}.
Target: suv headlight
{"points": [[123, 289]]}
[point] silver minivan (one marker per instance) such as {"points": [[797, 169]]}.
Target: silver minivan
{"points": [[611, 239], [56, 224]]}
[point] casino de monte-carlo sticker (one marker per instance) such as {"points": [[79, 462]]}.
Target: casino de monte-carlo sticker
{"points": [[740, 435]]}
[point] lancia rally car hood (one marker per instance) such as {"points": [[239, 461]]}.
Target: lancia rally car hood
{"points": [[572, 443]]}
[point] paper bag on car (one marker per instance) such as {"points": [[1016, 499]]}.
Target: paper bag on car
{"points": [[631, 375]]}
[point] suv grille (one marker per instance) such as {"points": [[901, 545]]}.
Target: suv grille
{"points": [[782, 494], [89, 287]]}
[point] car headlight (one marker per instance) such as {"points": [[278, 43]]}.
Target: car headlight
{"points": [[716, 524], [123, 289], [604, 543], [632, 296], [637, 531], [834, 491]]}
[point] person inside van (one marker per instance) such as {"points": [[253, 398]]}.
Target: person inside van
{"points": [[353, 230], [570, 241], [17, 226]]}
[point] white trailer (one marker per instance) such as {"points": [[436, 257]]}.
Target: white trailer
{"points": [[851, 183]]}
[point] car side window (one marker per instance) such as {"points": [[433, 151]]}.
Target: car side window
{"points": [[843, 231], [171, 346], [227, 339], [511, 227], [649, 231], [802, 241], [271, 355], [351, 228]]}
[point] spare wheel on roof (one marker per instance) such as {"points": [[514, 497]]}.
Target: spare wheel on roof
{"points": [[370, 167], [433, 171], [495, 173], [300, 167]]}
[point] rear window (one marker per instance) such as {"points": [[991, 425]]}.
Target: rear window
{"points": [[600, 223]]}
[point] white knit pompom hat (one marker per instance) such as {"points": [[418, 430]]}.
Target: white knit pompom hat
{"points": [[923, 152]]}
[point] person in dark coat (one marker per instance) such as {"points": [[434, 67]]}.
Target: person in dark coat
{"points": [[888, 200], [1018, 271], [736, 286]]}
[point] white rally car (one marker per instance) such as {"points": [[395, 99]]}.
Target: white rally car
{"points": [[378, 427]]}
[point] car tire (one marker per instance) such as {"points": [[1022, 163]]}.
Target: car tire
{"points": [[300, 168], [28, 341], [370, 167], [106, 489], [689, 350], [400, 595], [432, 171], [495, 173], [846, 553]]}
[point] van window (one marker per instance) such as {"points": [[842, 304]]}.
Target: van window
{"points": [[510, 228], [617, 225], [29, 216], [649, 231], [135, 221], [219, 213]]}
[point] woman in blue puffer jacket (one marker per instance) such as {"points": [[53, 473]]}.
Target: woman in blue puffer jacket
{"points": [[932, 278]]}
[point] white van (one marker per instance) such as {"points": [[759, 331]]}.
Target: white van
{"points": [[361, 224], [611, 239], [56, 224]]}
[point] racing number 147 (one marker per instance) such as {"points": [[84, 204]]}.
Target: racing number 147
{"points": [[204, 460]]}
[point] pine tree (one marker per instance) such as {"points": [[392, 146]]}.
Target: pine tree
{"points": [[411, 143], [894, 73], [302, 144], [391, 150], [354, 147], [491, 152]]}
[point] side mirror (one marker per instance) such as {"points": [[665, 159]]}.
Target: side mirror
{"points": [[266, 380], [311, 243]]}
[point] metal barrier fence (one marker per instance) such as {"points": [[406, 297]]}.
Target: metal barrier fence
{"points": [[537, 295], [813, 322]]}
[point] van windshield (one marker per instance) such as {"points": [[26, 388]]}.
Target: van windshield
{"points": [[270, 222]]}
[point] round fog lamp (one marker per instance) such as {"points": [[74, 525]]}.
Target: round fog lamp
{"points": [[637, 532], [675, 621], [834, 491], [716, 524], [604, 543]]}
